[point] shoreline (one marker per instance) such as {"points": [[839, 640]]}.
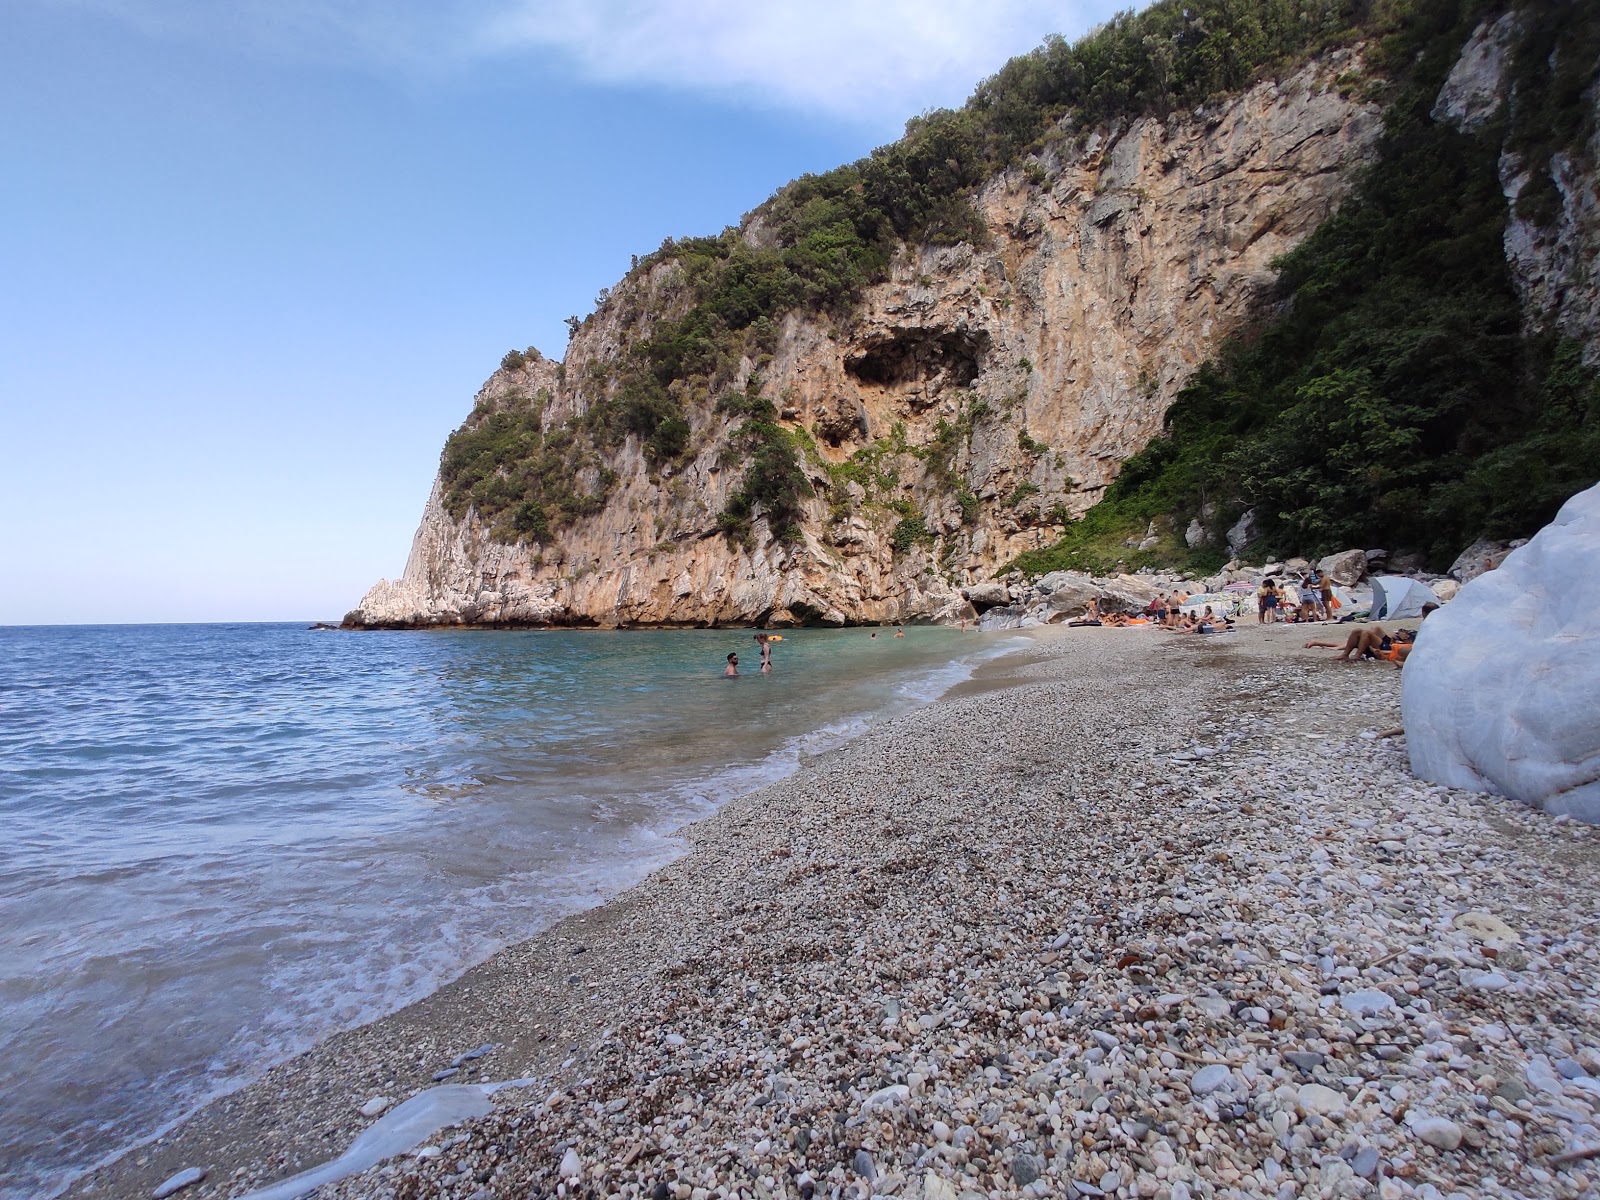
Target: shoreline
{"points": [[1005, 878]]}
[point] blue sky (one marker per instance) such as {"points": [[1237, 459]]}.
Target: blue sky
{"points": [[259, 254]]}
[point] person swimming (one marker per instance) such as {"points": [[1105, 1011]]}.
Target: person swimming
{"points": [[899, 633], [733, 667], [765, 642]]}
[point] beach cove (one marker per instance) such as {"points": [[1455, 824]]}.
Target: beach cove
{"points": [[1126, 914]]}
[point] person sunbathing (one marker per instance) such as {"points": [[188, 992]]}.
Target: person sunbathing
{"points": [[1362, 643], [1374, 642]]}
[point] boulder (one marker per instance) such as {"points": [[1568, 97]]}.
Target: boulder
{"points": [[1196, 536], [1126, 593], [1475, 559], [1242, 531], [1445, 589], [987, 595], [1347, 568], [1004, 616], [1500, 694]]}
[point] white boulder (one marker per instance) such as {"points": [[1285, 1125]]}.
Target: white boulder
{"points": [[1502, 693]]}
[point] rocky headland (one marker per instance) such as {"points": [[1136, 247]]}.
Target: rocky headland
{"points": [[709, 452]]}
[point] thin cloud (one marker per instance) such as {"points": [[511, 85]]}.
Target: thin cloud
{"points": [[874, 62]]}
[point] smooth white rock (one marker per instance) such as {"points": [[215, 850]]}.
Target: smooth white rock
{"points": [[1501, 691], [895, 1093], [1319, 1099], [406, 1126], [571, 1165], [187, 1177], [1209, 1078], [1367, 1003], [375, 1106], [1438, 1131]]}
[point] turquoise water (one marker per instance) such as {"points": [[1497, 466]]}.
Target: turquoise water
{"points": [[224, 842]]}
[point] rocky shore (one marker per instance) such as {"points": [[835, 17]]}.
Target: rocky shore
{"points": [[1135, 915]]}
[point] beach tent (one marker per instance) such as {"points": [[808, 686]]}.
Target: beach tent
{"points": [[1395, 597]]}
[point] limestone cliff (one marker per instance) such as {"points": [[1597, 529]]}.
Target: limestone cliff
{"points": [[979, 394], [1555, 263]]}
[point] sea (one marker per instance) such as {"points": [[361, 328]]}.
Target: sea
{"points": [[220, 844]]}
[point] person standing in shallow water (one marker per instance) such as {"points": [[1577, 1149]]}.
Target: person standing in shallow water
{"points": [[765, 643], [733, 667]]}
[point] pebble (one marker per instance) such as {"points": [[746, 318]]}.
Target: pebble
{"points": [[1209, 1079], [187, 1177], [1365, 1162], [375, 1106], [1367, 1003], [888, 1097], [1438, 1131], [1316, 1098], [863, 1165], [571, 1165], [1025, 1168]]}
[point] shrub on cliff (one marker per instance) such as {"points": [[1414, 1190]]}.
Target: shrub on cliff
{"points": [[773, 483]]}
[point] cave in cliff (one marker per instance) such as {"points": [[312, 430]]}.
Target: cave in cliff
{"points": [[921, 362]]}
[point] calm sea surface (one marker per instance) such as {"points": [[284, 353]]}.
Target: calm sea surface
{"points": [[220, 843]]}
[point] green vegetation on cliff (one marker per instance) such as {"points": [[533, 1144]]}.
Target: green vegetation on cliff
{"points": [[1395, 401], [1388, 397], [823, 238]]}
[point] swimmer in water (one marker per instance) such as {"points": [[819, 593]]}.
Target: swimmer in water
{"points": [[766, 653], [899, 633], [733, 666]]}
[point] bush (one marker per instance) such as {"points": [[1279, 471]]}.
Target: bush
{"points": [[1021, 492], [909, 532], [774, 483]]}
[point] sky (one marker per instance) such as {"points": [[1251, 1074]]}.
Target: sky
{"points": [[256, 256]]}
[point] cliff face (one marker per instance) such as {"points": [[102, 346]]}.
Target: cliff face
{"points": [[983, 393], [1554, 265]]}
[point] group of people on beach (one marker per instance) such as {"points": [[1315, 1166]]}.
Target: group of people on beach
{"points": [[1162, 612], [1308, 598]]}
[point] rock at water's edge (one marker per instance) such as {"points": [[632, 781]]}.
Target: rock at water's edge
{"points": [[1502, 693]]}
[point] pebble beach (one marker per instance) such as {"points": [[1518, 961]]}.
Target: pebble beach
{"points": [[1130, 914]]}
